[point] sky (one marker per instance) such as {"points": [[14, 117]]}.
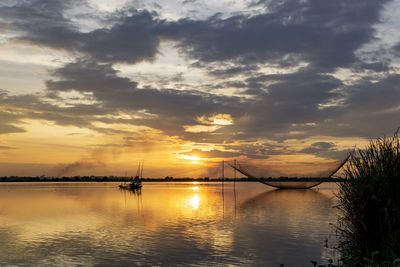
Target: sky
{"points": [[286, 87]]}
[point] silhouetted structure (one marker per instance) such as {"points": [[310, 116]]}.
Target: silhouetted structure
{"points": [[289, 183]]}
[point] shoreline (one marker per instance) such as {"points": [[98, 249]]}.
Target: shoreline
{"points": [[79, 179]]}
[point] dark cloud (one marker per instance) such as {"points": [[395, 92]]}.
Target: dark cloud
{"points": [[324, 35], [371, 96], [232, 71], [8, 118], [372, 107], [42, 22], [320, 148], [236, 84], [263, 149], [88, 76], [368, 109], [255, 150], [303, 104], [289, 99], [131, 38], [381, 66], [289, 108], [326, 149], [307, 101], [6, 124], [396, 49], [172, 108], [35, 107]]}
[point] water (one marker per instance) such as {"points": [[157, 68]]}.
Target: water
{"points": [[168, 224]]}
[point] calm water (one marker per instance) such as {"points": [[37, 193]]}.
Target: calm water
{"points": [[179, 224]]}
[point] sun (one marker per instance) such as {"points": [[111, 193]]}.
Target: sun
{"points": [[193, 159]]}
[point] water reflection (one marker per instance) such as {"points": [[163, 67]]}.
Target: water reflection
{"points": [[164, 224], [296, 220], [194, 202]]}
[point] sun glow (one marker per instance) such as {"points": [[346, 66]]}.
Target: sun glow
{"points": [[192, 159], [194, 202], [195, 188]]}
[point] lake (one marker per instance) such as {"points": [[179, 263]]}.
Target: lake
{"points": [[167, 224]]}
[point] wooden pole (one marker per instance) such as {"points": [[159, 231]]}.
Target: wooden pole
{"points": [[223, 173], [141, 171], [223, 170], [234, 184], [234, 175]]}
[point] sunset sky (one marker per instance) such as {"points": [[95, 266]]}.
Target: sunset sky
{"points": [[93, 87]]}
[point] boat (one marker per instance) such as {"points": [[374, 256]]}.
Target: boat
{"points": [[135, 183], [289, 183]]}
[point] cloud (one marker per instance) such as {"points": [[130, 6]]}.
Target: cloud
{"points": [[42, 22], [6, 147], [173, 108], [371, 108], [7, 128], [230, 70], [261, 149], [326, 36], [255, 150], [318, 146], [201, 128], [281, 65], [131, 38], [186, 2], [211, 153], [325, 149], [8, 118]]}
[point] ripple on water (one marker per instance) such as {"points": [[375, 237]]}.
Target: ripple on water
{"points": [[167, 224]]}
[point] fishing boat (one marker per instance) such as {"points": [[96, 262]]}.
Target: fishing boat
{"points": [[135, 183]]}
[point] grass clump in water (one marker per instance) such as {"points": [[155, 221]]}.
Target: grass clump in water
{"points": [[370, 205]]}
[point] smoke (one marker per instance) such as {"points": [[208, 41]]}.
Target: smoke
{"points": [[77, 166]]}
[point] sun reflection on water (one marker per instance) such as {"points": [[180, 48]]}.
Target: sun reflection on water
{"points": [[194, 202], [98, 219], [195, 188]]}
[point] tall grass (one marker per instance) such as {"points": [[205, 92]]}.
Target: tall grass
{"points": [[370, 205]]}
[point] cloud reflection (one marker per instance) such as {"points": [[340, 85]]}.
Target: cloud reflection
{"points": [[160, 227]]}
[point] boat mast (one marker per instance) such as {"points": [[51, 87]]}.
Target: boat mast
{"points": [[138, 170], [141, 170]]}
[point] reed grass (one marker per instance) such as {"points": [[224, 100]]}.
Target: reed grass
{"points": [[369, 225]]}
